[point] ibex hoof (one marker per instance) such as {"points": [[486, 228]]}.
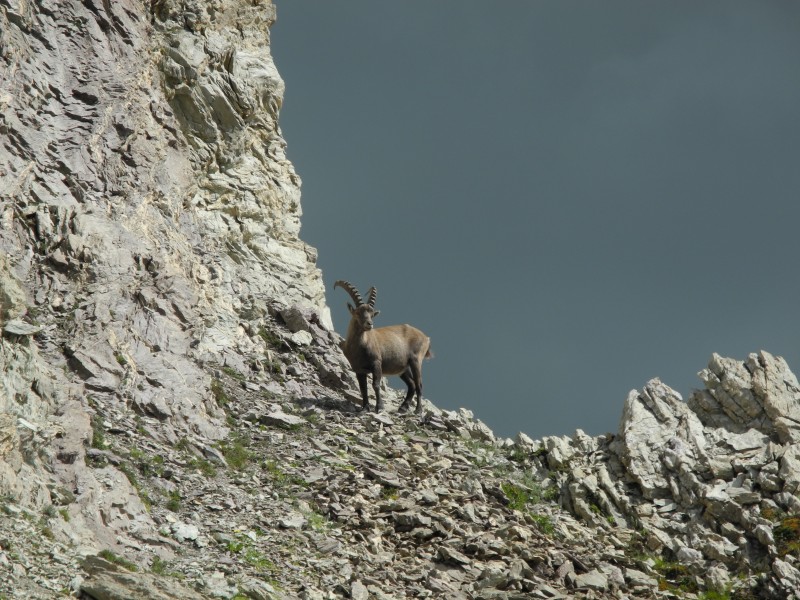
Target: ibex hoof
{"points": [[403, 408], [379, 408]]}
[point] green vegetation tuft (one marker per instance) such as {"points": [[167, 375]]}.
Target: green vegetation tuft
{"points": [[674, 577], [98, 433], [787, 536], [518, 455], [527, 492], [174, 501], [544, 523], [128, 471], [243, 546], [235, 452], [218, 391], [272, 339], [518, 497], [233, 373], [117, 560], [159, 566], [714, 595], [204, 466], [281, 479], [317, 522]]}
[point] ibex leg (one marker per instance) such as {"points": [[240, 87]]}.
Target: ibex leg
{"points": [[362, 383], [416, 374], [409, 381], [377, 374]]}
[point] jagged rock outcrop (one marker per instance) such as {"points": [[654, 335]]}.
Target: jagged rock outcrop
{"points": [[713, 481]]}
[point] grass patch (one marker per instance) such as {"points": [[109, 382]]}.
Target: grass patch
{"points": [[787, 536], [518, 497], [674, 577], [98, 433], [390, 493], [243, 546], [551, 494], [317, 522], [484, 454], [714, 595], [159, 566], [233, 374], [146, 465], [524, 495], [235, 452], [527, 492], [130, 474], [174, 501], [543, 523], [128, 471], [218, 391], [281, 479], [272, 340], [257, 559], [204, 466], [117, 560], [518, 455], [195, 462]]}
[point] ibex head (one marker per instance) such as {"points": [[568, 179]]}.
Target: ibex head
{"points": [[362, 312]]}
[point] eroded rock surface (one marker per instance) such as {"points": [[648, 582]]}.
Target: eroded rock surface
{"points": [[148, 218], [713, 482]]}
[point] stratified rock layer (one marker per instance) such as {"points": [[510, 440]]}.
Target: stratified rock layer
{"points": [[148, 218], [711, 481]]}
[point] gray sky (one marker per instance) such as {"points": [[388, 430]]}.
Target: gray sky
{"points": [[569, 197]]}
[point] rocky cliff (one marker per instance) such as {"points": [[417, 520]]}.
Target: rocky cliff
{"points": [[175, 412]]}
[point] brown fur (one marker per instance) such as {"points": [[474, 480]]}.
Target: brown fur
{"points": [[394, 350]]}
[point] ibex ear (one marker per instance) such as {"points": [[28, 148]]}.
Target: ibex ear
{"points": [[376, 313], [350, 308]]}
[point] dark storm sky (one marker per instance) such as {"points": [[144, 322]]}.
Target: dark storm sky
{"points": [[569, 197]]}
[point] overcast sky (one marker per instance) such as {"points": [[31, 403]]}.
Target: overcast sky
{"points": [[570, 198]]}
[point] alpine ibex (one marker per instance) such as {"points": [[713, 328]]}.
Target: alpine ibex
{"points": [[393, 350]]}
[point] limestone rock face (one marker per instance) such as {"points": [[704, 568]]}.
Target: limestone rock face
{"points": [[712, 481], [149, 217], [760, 393], [661, 440]]}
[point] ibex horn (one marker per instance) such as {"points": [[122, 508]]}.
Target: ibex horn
{"points": [[348, 287], [373, 292]]}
